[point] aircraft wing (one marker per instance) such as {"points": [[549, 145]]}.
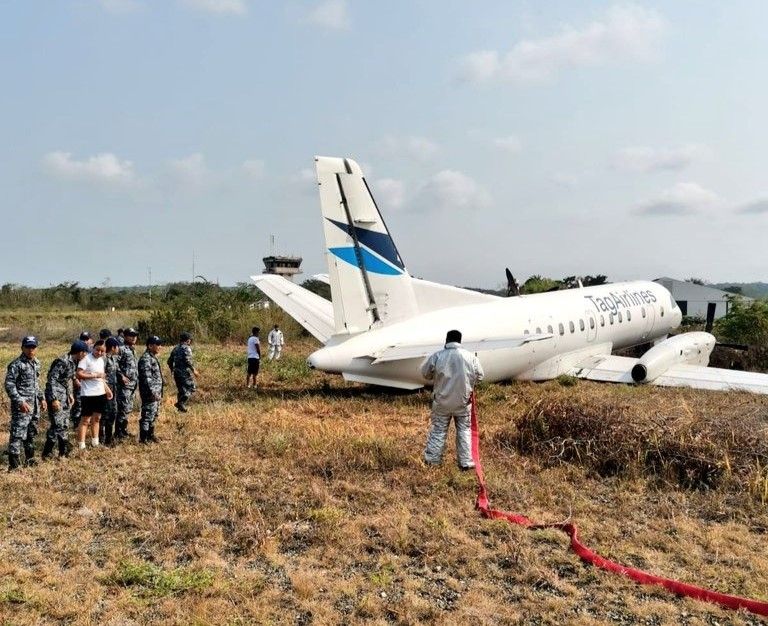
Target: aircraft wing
{"points": [[401, 352], [617, 369], [313, 312]]}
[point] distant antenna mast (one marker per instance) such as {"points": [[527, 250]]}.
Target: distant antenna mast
{"points": [[271, 245]]}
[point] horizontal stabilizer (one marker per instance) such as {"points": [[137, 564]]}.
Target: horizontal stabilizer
{"points": [[713, 378], [403, 352], [617, 369], [313, 312]]}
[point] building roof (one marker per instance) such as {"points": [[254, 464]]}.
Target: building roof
{"points": [[682, 290]]}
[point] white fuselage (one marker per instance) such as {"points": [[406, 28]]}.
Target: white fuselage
{"points": [[578, 321]]}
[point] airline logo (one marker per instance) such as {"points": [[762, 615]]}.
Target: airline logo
{"points": [[378, 252]]}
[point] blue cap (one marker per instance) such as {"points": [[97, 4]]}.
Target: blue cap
{"points": [[29, 342], [154, 340], [112, 343], [78, 346]]}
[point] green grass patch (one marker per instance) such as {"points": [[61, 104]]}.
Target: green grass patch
{"points": [[153, 581]]}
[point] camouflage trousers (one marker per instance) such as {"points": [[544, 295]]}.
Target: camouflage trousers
{"points": [[75, 412], [124, 403], [59, 428], [149, 413], [110, 409], [185, 387], [22, 433], [438, 433]]}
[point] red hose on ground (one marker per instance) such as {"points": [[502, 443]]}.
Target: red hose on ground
{"points": [[692, 591]]}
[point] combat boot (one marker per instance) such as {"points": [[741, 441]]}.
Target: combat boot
{"points": [[47, 450], [14, 462], [107, 437], [143, 436], [151, 435], [120, 432], [29, 453], [64, 448], [180, 407]]}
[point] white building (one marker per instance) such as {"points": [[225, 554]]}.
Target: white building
{"points": [[698, 300]]}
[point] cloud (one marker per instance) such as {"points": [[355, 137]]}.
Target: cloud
{"points": [[627, 33], [330, 14], [253, 168], [220, 7], [190, 172], [419, 148], [759, 207], [119, 6], [104, 168], [644, 159], [389, 193], [566, 180], [682, 199], [510, 144], [452, 190]]}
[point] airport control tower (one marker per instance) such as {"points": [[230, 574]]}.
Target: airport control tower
{"points": [[285, 266]]}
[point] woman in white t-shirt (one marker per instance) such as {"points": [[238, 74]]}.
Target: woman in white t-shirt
{"points": [[94, 393]]}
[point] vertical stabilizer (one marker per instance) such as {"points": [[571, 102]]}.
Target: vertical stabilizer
{"points": [[369, 283]]}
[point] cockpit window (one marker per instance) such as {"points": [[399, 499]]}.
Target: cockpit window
{"points": [[672, 302]]}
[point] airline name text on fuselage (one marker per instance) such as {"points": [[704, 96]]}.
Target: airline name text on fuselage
{"points": [[624, 299]]}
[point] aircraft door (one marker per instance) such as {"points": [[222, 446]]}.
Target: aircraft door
{"points": [[650, 319], [591, 320]]}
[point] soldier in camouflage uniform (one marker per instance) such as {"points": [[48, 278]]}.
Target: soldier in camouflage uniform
{"points": [[22, 384], [107, 423], [127, 380], [150, 389], [59, 394], [184, 373]]}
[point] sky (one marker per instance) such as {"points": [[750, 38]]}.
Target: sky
{"points": [[554, 138]]}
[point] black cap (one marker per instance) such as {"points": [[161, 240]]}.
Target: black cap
{"points": [[154, 340], [105, 333], [112, 343], [78, 346], [29, 341], [85, 335], [185, 336], [130, 332]]}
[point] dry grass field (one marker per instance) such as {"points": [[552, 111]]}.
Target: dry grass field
{"points": [[307, 503]]}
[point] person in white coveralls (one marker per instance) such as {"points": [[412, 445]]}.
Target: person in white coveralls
{"points": [[276, 342], [454, 372]]}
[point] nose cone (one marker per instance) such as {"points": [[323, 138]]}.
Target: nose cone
{"points": [[323, 360]]}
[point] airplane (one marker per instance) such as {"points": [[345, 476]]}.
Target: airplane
{"points": [[382, 322]]}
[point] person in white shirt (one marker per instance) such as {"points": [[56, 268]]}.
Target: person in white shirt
{"points": [[254, 357], [276, 342], [94, 393]]}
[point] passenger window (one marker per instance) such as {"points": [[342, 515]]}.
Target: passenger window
{"points": [[620, 320], [571, 327], [602, 320], [643, 310], [592, 323], [581, 325], [561, 328], [549, 330], [538, 330], [610, 318], [629, 316], [662, 311], [526, 332]]}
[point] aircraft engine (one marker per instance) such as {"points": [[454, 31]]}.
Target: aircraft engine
{"points": [[688, 348]]}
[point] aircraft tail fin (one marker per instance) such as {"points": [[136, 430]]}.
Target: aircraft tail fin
{"points": [[369, 283]]}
